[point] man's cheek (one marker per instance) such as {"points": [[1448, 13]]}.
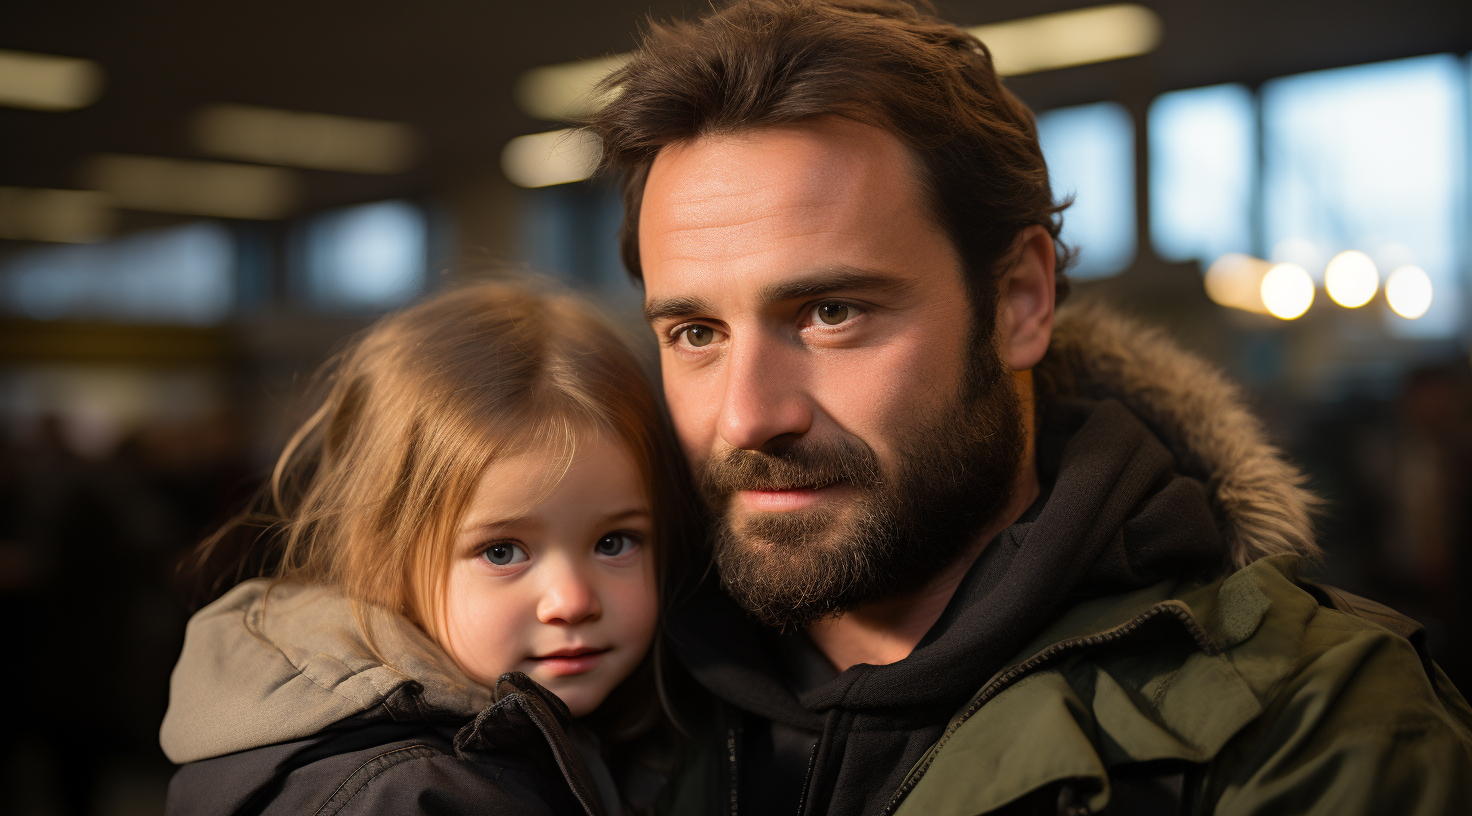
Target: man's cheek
{"points": [[694, 416]]}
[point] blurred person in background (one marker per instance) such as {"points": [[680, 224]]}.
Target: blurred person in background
{"points": [[88, 549], [1424, 558], [972, 554]]}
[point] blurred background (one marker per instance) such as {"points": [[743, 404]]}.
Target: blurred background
{"points": [[198, 202]]}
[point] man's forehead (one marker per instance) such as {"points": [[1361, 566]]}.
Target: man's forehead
{"points": [[713, 176], [764, 197]]}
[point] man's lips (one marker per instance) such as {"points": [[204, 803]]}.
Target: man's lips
{"points": [[563, 662], [785, 499]]}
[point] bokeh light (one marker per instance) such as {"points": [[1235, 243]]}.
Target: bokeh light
{"points": [[1351, 279], [1235, 280], [1409, 291], [1287, 291]]}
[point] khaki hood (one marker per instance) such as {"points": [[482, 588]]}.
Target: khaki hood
{"points": [[1258, 498], [273, 662]]}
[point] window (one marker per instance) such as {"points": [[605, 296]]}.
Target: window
{"points": [[1203, 160], [1372, 158], [366, 258], [179, 275], [1091, 155], [571, 232]]}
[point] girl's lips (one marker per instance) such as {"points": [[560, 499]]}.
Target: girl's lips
{"points": [[565, 662]]}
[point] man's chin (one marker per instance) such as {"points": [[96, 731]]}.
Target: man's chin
{"points": [[791, 569], [815, 527]]}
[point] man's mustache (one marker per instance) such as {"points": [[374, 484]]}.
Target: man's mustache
{"points": [[805, 464]]}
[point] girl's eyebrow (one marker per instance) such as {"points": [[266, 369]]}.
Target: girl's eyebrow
{"points": [[489, 524], [497, 523], [631, 513]]}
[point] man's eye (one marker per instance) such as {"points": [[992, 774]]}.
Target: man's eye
{"points": [[698, 335], [504, 554], [615, 544], [834, 313]]}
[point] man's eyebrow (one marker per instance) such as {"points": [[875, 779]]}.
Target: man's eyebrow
{"points": [[812, 284], [834, 279], [674, 307]]}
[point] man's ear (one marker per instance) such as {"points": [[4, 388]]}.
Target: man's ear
{"points": [[1025, 300]]}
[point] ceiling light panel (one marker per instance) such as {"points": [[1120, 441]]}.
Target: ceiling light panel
{"points": [[48, 83], [565, 91], [1069, 38], [193, 187], [558, 157], [63, 216], [313, 140], [1028, 45]]}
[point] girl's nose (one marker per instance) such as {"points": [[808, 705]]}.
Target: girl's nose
{"points": [[569, 598]]}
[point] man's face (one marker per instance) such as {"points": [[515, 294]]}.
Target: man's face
{"points": [[820, 360]]}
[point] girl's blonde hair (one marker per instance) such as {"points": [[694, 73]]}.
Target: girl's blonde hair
{"points": [[368, 492]]}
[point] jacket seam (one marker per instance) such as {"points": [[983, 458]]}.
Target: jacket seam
{"points": [[369, 771]]}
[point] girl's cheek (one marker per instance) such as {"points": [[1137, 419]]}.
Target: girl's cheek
{"points": [[641, 599]]}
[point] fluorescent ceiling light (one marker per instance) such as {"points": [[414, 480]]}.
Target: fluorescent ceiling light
{"points": [[1235, 280], [1025, 46], [316, 140], [193, 187], [48, 83], [63, 216], [565, 91], [1069, 38], [544, 159]]}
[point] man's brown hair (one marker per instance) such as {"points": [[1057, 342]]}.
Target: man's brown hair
{"points": [[887, 63]]}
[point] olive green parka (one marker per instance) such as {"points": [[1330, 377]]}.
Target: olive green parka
{"points": [[1254, 691]]}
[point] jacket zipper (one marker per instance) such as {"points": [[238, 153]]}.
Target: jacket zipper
{"points": [[733, 745], [807, 780], [1020, 670]]}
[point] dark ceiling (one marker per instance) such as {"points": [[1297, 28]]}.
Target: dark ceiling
{"points": [[448, 67]]}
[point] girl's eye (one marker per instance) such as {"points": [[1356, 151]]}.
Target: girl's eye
{"points": [[697, 335], [834, 313], [504, 554], [615, 544]]}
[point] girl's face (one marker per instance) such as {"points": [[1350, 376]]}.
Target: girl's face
{"points": [[558, 583]]}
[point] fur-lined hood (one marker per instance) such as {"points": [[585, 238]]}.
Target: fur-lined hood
{"points": [[1258, 498]]}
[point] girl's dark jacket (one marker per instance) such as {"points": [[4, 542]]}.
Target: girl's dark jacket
{"points": [[279, 705]]}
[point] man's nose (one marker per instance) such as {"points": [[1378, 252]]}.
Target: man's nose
{"points": [[569, 597], [765, 397]]}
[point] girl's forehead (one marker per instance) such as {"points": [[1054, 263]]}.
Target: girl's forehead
{"points": [[591, 466]]}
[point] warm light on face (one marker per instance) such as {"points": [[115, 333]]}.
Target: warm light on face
{"points": [[1351, 279], [544, 159], [1409, 292], [1287, 291]]}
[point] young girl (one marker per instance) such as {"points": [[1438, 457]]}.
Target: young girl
{"points": [[462, 550]]}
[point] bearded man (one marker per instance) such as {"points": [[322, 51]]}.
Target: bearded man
{"points": [[974, 555]]}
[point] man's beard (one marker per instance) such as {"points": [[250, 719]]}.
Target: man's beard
{"points": [[954, 471]]}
